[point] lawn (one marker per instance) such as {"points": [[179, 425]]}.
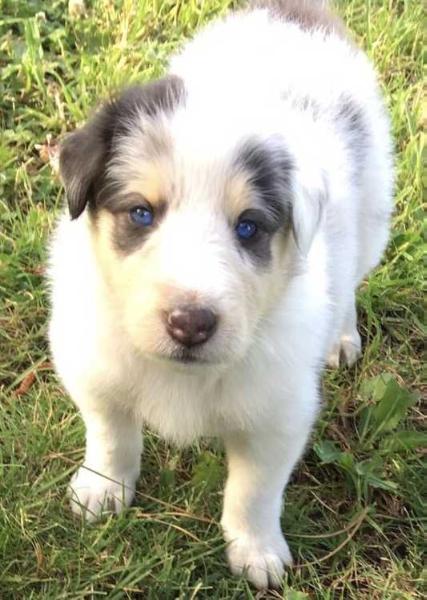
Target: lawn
{"points": [[354, 508]]}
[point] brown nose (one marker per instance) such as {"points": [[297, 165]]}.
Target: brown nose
{"points": [[190, 325]]}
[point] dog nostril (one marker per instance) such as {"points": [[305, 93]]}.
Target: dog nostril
{"points": [[190, 326]]}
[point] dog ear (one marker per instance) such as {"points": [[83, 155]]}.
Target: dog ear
{"points": [[82, 159], [85, 153], [307, 211]]}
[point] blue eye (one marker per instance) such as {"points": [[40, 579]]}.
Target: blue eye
{"points": [[142, 216], [246, 229]]}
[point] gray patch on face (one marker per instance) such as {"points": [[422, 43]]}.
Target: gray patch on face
{"points": [[128, 236], [307, 14], [86, 152], [269, 169]]}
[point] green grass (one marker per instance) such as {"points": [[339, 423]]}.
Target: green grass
{"points": [[354, 509]]}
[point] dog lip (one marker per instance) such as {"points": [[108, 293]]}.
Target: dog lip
{"points": [[181, 357], [186, 357]]}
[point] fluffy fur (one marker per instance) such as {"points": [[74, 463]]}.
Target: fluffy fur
{"points": [[273, 113]]}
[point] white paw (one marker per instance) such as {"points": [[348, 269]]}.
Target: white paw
{"points": [[347, 351], [262, 561], [91, 494]]}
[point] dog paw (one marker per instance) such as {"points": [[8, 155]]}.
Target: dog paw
{"points": [[347, 351], [92, 495], [262, 562]]}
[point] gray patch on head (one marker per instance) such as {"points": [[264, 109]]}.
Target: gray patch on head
{"points": [[161, 95], [86, 152], [308, 14], [269, 169]]}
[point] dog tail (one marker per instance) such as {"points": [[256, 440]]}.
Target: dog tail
{"points": [[286, 6], [309, 14]]}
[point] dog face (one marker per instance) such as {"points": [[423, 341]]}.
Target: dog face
{"points": [[193, 228]]}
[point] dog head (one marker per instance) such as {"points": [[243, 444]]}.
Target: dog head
{"points": [[196, 222]]}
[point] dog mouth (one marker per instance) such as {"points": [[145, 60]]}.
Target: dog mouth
{"points": [[186, 356]]}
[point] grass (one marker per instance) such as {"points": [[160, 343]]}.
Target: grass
{"points": [[354, 509]]}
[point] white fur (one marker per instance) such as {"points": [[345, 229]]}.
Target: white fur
{"points": [[247, 74]]}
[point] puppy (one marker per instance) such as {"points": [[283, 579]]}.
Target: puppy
{"points": [[221, 220]]}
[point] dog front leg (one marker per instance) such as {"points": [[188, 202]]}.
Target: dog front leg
{"points": [[106, 480], [259, 466]]}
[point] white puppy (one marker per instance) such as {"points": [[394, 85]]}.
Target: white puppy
{"points": [[221, 220]]}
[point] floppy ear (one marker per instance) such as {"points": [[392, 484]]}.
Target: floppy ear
{"points": [[82, 159], [307, 211], [85, 153]]}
